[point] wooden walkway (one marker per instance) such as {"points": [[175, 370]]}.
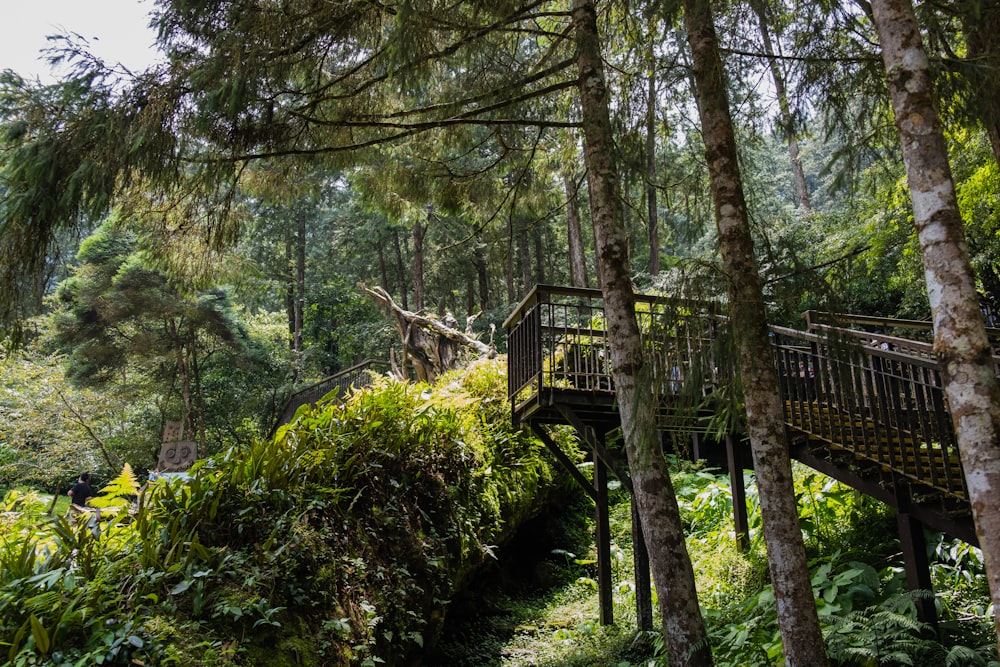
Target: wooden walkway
{"points": [[863, 398], [358, 375]]}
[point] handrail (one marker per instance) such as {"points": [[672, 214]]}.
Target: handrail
{"points": [[311, 393], [877, 396], [819, 317], [556, 340], [813, 317], [927, 361], [538, 292], [339, 374], [886, 407]]}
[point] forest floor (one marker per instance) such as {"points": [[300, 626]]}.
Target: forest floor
{"points": [[557, 627], [539, 608], [546, 613]]}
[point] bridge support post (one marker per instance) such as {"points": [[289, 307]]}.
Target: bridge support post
{"points": [[643, 585], [741, 523], [696, 447], [603, 539], [914, 545], [598, 492]]}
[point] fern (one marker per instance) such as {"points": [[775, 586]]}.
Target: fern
{"points": [[964, 656], [884, 634], [119, 492]]}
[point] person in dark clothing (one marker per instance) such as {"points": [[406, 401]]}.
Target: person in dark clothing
{"points": [[81, 491]]}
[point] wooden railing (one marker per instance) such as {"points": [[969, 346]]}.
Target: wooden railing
{"points": [[557, 340], [873, 394], [356, 376], [885, 406]]}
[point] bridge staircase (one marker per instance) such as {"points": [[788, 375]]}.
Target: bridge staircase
{"points": [[359, 375], [863, 404]]}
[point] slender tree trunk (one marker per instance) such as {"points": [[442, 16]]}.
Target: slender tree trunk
{"points": [[981, 25], [419, 232], [199, 395], [482, 275], [184, 373], [300, 292], [383, 268], [626, 212], [404, 287], [470, 296], [509, 266], [784, 108], [654, 226], [683, 627], [960, 341], [574, 235], [797, 617], [538, 236], [289, 278], [524, 260]]}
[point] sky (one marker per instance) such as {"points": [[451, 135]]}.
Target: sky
{"points": [[117, 31]]}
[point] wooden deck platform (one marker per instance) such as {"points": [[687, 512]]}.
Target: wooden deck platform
{"points": [[863, 396]]}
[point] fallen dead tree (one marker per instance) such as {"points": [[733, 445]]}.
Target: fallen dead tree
{"points": [[429, 345]]}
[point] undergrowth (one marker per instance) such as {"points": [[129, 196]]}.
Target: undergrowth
{"points": [[869, 617], [340, 541], [349, 538]]}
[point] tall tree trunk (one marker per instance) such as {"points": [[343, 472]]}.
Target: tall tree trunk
{"points": [[784, 108], [797, 617], [419, 232], [383, 268], [626, 213], [199, 395], [574, 235], [300, 291], [404, 287], [289, 278], [538, 236], [654, 227], [683, 627], [981, 25], [960, 342], [470, 296], [509, 266], [183, 372], [524, 260], [482, 275]]}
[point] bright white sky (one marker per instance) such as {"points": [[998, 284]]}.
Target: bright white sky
{"points": [[117, 31]]}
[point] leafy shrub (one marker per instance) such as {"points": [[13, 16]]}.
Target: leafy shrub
{"points": [[339, 541]]}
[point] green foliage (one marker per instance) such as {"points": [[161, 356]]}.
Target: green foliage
{"points": [[339, 540], [868, 615], [44, 437], [119, 493]]}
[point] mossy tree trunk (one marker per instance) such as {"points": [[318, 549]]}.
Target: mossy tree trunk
{"points": [[797, 617], [960, 341], [683, 627]]}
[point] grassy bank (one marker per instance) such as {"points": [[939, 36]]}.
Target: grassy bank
{"points": [[338, 542]]}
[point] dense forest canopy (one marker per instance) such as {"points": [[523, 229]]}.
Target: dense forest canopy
{"points": [[188, 241]]}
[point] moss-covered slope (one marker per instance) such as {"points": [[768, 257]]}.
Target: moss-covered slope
{"points": [[338, 542]]}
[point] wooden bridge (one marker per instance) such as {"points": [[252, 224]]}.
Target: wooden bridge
{"points": [[863, 404], [343, 381]]}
